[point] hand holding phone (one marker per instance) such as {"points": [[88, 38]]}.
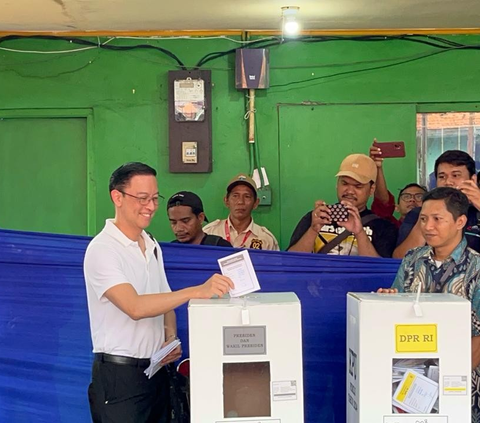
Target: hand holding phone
{"points": [[391, 149], [338, 212]]}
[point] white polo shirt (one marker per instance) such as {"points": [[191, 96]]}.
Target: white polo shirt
{"points": [[112, 259]]}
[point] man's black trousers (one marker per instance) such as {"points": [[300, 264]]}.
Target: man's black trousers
{"points": [[122, 393]]}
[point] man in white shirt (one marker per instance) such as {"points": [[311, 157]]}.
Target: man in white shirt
{"points": [[131, 306]]}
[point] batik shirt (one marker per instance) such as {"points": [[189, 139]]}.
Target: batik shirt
{"points": [[419, 267]]}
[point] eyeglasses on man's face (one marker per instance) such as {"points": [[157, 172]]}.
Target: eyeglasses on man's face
{"points": [[144, 201], [407, 197]]}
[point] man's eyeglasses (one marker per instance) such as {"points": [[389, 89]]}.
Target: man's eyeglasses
{"points": [[144, 201], [407, 197]]}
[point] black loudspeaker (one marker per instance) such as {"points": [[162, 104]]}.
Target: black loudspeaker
{"points": [[251, 68]]}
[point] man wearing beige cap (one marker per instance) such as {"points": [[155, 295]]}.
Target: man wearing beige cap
{"points": [[239, 228], [347, 228]]}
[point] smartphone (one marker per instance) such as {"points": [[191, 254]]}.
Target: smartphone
{"points": [[338, 212], [391, 149]]}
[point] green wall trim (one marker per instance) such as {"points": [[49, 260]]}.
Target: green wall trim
{"points": [[48, 113], [449, 107]]}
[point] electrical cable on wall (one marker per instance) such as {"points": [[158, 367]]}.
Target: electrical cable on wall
{"points": [[249, 117], [104, 46], [318, 78], [190, 38], [433, 41]]}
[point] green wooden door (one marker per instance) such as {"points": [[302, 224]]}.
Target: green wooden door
{"points": [[43, 174], [313, 140]]}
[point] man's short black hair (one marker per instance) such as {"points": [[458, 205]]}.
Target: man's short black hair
{"points": [[455, 200], [121, 176], [413, 184], [456, 158]]}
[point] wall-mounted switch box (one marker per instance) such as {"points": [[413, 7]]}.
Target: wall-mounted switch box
{"points": [[189, 152], [265, 196]]}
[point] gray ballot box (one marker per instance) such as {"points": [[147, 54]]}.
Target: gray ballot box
{"points": [[408, 361], [246, 359]]}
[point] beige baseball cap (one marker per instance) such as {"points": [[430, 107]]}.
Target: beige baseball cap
{"points": [[359, 167], [242, 179]]}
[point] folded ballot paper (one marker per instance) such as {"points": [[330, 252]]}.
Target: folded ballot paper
{"points": [[157, 357], [416, 393], [239, 268]]}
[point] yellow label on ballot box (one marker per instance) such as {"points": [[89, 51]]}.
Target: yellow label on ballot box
{"points": [[415, 338]]}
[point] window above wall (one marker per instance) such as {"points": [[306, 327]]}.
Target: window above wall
{"points": [[439, 132]]}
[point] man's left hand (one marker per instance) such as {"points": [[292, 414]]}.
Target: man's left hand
{"points": [[471, 190], [174, 355], [354, 222]]}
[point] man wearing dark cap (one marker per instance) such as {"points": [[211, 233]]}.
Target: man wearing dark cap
{"points": [[186, 215], [239, 228]]}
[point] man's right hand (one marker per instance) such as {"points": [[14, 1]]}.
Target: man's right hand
{"points": [[376, 154], [387, 291], [216, 285], [320, 216]]}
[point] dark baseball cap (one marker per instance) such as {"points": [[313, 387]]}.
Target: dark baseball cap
{"points": [[189, 199], [242, 179]]}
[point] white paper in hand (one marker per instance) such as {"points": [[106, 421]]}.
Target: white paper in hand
{"points": [[157, 357], [238, 267]]}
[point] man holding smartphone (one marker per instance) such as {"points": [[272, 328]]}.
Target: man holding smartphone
{"points": [[383, 204], [324, 230]]}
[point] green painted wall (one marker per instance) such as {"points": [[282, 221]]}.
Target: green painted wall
{"points": [[127, 93]]}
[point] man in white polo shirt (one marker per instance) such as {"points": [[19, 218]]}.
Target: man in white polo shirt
{"points": [[131, 306]]}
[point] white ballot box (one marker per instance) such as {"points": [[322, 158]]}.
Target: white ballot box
{"points": [[408, 361], [246, 359]]}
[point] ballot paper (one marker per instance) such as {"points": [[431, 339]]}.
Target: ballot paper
{"points": [[157, 357], [416, 393], [238, 267], [401, 366]]}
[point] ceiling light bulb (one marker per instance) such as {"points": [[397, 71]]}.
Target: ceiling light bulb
{"points": [[291, 27]]}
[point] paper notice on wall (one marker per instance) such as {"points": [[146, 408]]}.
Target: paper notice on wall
{"points": [[416, 393], [284, 390], [258, 181], [455, 385]]}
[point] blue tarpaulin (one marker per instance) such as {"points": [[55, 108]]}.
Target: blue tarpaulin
{"points": [[45, 345]]}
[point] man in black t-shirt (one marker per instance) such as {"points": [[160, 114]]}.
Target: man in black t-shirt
{"points": [[368, 235], [186, 215]]}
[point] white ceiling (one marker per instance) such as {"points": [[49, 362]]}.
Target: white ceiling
{"points": [[159, 15]]}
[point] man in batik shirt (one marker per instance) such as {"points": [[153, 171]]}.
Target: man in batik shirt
{"points": [[446, 265]]}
